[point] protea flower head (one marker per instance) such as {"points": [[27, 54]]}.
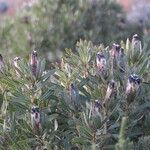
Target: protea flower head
{"points": [[100, 62], [115, 50], [135, 37], [34, 61], [133, 83], [116, 47], [97, 106], [136, 43], [121, 61], [132, 86], [1, 62], [35, 118], [118, 57]]}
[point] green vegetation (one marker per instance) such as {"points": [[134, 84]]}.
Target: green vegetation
{"points": [[73, 93], [80, 102], [51, 26]]}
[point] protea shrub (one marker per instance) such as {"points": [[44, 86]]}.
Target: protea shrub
{"points": [[79, 104]]}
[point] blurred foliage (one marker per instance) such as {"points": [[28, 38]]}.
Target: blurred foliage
{"points": [[123, 143], [66, 97], [50, 26], [140, 14]]}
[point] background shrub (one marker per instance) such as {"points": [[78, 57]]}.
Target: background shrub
{"points": [[51, 26]]}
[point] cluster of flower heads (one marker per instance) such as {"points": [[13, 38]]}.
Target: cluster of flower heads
{"points": [[33, 63], [35, 113], [116, 53], [35, 118]]}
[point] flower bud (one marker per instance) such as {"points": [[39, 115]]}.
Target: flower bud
{"points": [[135, 38], [115, 50], [117, 54], [136, 43], [132, 86], [100, 62], [74, 94], [34, 62], [35, 118], [133, 83], [121, 61], [96, 108]]}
